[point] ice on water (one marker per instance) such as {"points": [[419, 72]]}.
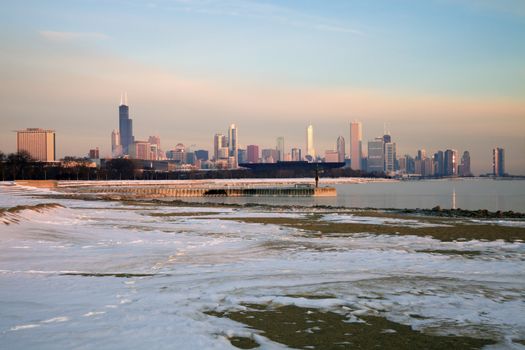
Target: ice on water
{"points": [[109, 275]]}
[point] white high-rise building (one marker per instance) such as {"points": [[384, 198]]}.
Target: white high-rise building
{"points": [[233, 145], [116, 147], [310, 150], [390, 157], [356, 145]]}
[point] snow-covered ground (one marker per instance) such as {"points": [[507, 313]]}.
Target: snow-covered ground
{"points": [[62, 284]]}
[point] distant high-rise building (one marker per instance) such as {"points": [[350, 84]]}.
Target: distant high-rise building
{"points": [[376, 156], [94, 153], [390, 157], [439, 163], [242, 155], [269, 155], [450, 162], [356, 147], [154, 140], [331, 156], [39, 143], [116, 147], [421, 154], [179, 153], [190, 157], [464, 167], [233, 144], [410, 164], [341, 149], [219, 141], [387, 138], [202, 154], [427, 167], [224, 153], [402, 165], [253, 153], [140, 150], [418, 166], [498, 161], [296, 154], [125, 125], [156, 152], [310, 149], [280, 148]]}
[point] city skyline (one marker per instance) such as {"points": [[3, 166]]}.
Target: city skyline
{"points": [[444, 86], [227, 151]]}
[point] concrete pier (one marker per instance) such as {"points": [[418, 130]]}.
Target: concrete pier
{"points": [[176, 191]]}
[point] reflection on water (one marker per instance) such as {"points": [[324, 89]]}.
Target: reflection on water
{"points": [[453, 197], [472, 194]]}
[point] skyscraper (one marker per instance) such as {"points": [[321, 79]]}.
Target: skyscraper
{"points": [[39, 143], [94, 153], [269, 155], [201, 154], [390, 157], [156, 152], [116, 147], [140, 150], [439, 163], [233, 144], [219, 142], [464, 167], [450, 162], [376, 156], [310, 150], [253, 153], [280, 148], [356, 151], [341, 149], [498, 161], [296, 154], [242, 155], [125, 125]]}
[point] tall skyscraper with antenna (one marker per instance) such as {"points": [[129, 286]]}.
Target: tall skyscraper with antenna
{"points": [[125, 125]]}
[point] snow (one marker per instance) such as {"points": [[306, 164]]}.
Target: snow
{"points": [[355, 219], [181, 266]]}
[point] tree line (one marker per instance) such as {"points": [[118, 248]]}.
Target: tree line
{"points": [[20, 166]]}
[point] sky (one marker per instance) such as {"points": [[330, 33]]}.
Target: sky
{"points": [[438, 73]]}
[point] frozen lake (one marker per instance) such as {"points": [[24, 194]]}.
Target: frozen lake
{"points": [[471, 194]]}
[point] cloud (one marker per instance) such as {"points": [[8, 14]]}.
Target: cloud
{"points": [[71, 36], [332, 28], [260, 10]]}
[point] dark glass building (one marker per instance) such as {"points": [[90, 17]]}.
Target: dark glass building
{"points": [[439, 163], [125, 127], [201, 154]]}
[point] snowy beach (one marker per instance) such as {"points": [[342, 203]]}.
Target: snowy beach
{"points": [[109, 274]]}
